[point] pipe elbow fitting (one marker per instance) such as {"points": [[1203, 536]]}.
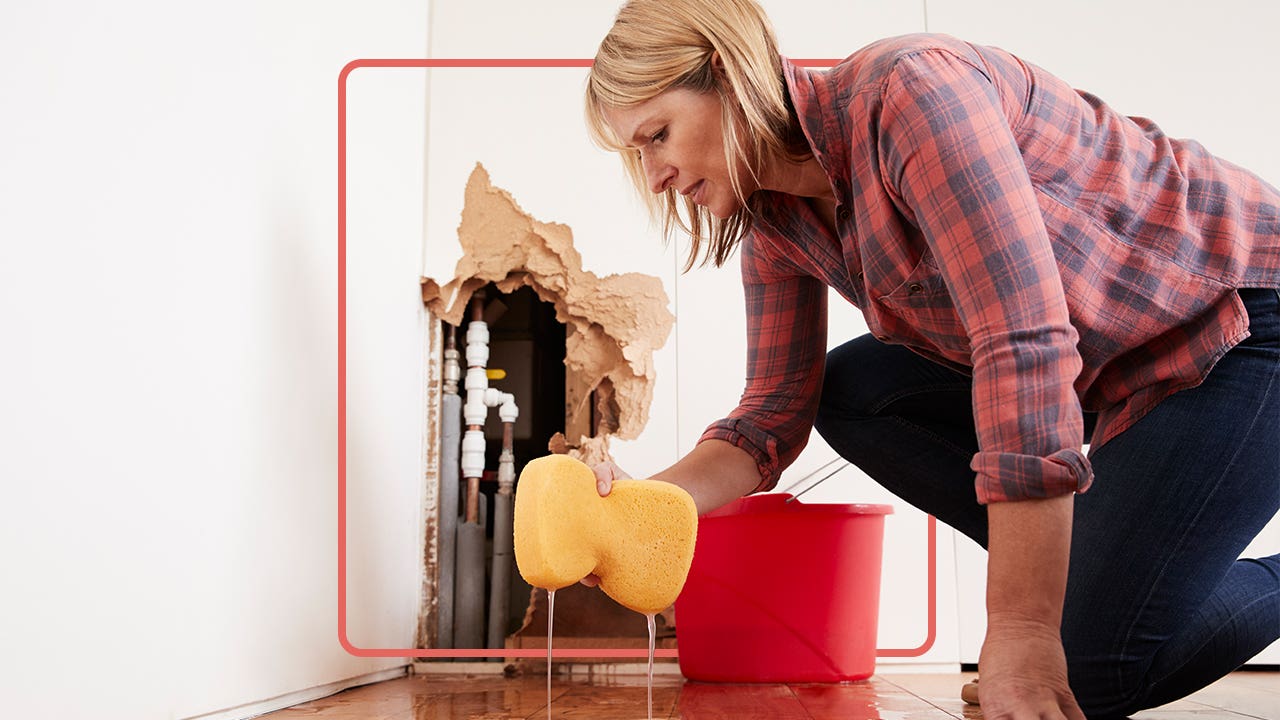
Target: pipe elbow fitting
{"points": [[505, 402], [508, 412]]}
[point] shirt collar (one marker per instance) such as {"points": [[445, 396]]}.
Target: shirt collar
{"points": [[814, 97], [824, 129]]}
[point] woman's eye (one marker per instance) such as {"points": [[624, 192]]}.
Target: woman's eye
{"points": [[659, 136]]}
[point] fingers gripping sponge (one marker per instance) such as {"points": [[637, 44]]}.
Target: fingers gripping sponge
{"points": [[639, 540]]}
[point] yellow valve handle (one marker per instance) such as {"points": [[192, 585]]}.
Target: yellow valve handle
{"points": [[495, 374]]}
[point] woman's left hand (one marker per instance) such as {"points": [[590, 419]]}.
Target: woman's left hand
{"points": [[1023, 673]]}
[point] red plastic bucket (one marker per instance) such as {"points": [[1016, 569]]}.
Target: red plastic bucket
{"points": [[782, 592]]}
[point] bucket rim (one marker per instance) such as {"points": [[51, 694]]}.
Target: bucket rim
{"points": [[785, 503]]}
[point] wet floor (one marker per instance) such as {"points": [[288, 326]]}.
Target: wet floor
{"points": [[623, 697]]}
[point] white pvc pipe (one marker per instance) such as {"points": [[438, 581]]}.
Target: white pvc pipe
{"points": [[481, 397]]}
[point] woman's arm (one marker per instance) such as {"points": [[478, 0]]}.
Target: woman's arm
{"points": [[950, 154], [715, 473], [1023, 667]]}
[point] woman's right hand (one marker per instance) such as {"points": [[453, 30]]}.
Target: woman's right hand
{"points": [[606, 472]]}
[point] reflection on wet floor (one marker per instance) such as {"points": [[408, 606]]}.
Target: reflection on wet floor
{"points": [[623, 697], [435, 697]]}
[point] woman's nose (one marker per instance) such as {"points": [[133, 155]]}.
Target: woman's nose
{"points": [[659, 174]]}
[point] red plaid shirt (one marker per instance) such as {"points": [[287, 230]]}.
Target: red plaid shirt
{"points": [[994, 219]]}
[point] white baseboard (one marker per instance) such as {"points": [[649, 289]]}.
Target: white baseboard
{"points": [[280, 702], [437, 667], [916, 668], [427, 667], [576, 669]]}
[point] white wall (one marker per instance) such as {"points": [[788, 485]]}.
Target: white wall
{"points": [[168, 414]]}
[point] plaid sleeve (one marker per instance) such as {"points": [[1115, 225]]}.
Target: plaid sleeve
{"points": [[947, 153], [786, 353]]}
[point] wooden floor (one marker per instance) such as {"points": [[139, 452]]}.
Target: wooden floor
{"points": [[623, 697]]}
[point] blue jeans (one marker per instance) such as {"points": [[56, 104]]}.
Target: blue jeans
{"points": [[1157, 603]]}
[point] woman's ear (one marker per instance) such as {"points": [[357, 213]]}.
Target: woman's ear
{"points": [[718, 75]]}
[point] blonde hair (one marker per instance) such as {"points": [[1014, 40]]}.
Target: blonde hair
{"points": [[656, 45]]}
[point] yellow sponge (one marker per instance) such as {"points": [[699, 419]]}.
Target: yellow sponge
{"points": [[639, 540]]}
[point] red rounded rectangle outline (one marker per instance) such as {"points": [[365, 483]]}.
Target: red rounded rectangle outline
{"points": [[346, 643]]}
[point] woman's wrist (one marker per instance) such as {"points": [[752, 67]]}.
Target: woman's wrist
{"points": [[1029, 547], [714, 473]]}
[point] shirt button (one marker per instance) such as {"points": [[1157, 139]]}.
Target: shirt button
{"points": [[915, 289], [843, 214]]}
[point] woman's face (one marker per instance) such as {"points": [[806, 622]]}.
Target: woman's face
{"points": [[681, 144]]}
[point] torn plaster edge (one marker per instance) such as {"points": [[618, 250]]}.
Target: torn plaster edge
{"points": [[611, 340], [427, 635]]}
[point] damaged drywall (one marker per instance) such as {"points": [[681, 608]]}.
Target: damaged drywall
{"points": [[613, 323]]}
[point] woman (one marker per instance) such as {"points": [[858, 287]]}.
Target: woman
{"points": [[1037, 272]]}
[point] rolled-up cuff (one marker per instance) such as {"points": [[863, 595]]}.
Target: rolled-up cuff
{"points": [[1005, 477], [759, 445]]}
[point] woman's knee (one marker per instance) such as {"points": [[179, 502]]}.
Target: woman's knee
{"points": [[1107, 687], [867, 379], [1109, 670], [849, 387]]}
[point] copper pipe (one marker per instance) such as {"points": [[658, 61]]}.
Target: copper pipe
{"points": [[473, 500]]}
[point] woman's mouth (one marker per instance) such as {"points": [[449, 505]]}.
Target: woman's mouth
{"points": [[696, 192]]}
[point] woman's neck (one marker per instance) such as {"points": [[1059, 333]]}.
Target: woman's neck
{"points": [[802, 179]]}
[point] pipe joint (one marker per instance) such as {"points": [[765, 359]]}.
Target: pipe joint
{"points": [[477, 344], [477, 332], [477, 382], [506, 473], [473, 454], [452, 371], [508, 412], [477, 356], [473, 413]]}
